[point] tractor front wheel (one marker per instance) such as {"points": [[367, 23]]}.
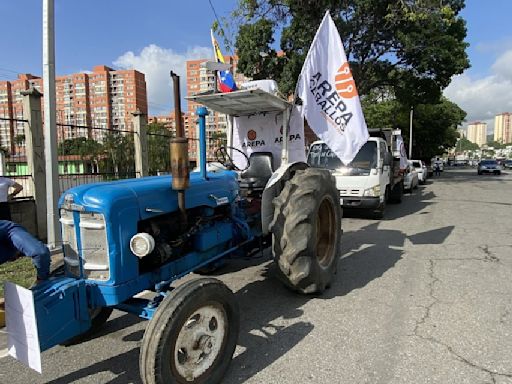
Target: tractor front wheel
{"points": [[192, 336], [306, 231]]}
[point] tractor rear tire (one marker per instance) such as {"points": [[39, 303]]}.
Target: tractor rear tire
{"points": [[192, 335], [306, 231]]}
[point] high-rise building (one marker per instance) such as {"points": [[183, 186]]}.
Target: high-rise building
{"points": [[104, 98], [503, 128], [477, 133], [200, 80], [11, 107]]}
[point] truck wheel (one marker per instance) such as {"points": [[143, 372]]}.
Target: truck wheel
{"points": [[99, 317], [379, 213], [192, 336], [306, 231], [397, 193]]}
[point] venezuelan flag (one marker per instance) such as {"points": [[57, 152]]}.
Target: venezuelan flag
{"points": [[226, 80]]}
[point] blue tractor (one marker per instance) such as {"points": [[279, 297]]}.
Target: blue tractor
{"points": [[125, 237]]}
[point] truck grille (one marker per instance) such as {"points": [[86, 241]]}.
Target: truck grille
{"points": [[350, 192]]}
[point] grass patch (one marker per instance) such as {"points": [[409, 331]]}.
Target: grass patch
{"points": [[21, 272]]}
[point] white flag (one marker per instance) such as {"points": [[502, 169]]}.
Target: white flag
{"points": [[403, 154], [329, 96]]}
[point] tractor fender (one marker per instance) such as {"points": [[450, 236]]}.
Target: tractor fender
{"points": [[273, 188]]}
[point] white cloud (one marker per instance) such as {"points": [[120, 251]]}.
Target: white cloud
{"points": [[156, 63], [483, 98]]}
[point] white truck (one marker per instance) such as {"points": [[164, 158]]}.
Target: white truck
{"points": [[372, 179]]}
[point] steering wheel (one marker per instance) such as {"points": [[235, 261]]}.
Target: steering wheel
{"points": [[222, 156]]}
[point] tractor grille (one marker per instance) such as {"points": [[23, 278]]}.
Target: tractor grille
{"points": [[94, 246], [69, 242]]}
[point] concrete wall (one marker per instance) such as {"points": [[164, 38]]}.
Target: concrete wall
{"points": [[23, 211]]}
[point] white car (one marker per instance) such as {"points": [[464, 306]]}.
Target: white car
{"points": [[411, 178], [421, 168]]}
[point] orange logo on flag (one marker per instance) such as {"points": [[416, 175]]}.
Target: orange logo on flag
{"points": [[251, 135], [345, 84]]}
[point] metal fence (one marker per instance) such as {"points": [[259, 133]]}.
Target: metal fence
{"points": [[88, 154], [12, 142], [159, 151], [92, 154]]}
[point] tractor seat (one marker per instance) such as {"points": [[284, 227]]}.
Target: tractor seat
{"points": [[261, 167]]}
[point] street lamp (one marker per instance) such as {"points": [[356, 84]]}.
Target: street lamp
{"points": [[410, 132]]}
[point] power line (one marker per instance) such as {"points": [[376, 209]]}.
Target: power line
{"points": [[9, 70], [220, 24]]}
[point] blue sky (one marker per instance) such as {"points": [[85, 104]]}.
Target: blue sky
{"points": [[158, 35]]}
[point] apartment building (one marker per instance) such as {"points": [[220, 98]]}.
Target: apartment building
{"points": [[503, 128], [199, 80], [477, 133], [169, 122], [11, 107], [103, 98]]}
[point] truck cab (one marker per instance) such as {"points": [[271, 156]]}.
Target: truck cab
{"points": [[372, 179]]}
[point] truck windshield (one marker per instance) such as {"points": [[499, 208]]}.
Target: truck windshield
{"points": [[321, 156]]}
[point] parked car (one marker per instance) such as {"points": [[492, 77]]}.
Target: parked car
{"points": [[422, 170], [507, 164], [411, 178], [489, 166]]}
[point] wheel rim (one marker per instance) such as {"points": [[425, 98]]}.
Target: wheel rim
{"points": [[325, 233], [200, 341]]}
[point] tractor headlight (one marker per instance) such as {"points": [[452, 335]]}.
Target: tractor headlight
{"points": [[142, 244], [373, 191]]}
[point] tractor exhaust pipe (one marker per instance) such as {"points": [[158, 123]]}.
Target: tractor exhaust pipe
{"points": [[179, 152]]}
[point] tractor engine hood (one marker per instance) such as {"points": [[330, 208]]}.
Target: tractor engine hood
{"points": [[152, 195]]}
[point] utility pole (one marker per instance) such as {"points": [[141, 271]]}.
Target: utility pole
{"points": [[50, 127], [410, 133]]}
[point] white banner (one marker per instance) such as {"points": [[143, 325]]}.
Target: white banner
{"points": [[263, 133], [329, 96], [23, 338], [403, 153]]}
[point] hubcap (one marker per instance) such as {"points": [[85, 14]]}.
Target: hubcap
{"points": [[200, 341], [325, 233]]}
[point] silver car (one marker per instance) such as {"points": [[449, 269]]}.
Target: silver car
{"points": [[489, 166]]}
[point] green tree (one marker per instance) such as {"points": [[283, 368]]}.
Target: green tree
{"points": [[496, 144], [434, 125], [119, 157], [159, 139], [465, 145], [19, 139], [89, 150], [413, 47]]}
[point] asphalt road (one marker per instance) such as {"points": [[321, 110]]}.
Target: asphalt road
{"points": [[423, 296]]}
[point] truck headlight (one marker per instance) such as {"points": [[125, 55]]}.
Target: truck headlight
{"points": [[142, 244], [373, 191]]}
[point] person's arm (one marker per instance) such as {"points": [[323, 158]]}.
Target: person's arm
{"points": [[17, 189]]}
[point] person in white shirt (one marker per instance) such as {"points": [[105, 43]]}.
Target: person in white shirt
{"points": [[5, 185]]}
